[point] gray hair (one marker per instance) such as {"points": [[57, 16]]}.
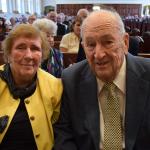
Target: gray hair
{"points": [[112, 13], [45, 25], [82, 11]]}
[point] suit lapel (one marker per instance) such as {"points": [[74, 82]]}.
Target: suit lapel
{"points": [[90, 102], [136, 96]]}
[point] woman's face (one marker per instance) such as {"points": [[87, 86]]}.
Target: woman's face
{"points": [[25, 58], [50, 38], [76, 28]]}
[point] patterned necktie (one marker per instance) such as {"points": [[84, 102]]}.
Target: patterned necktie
{"points": [[112, 120]]}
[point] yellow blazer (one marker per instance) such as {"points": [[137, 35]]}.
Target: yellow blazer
{"points": [[42, 107]]}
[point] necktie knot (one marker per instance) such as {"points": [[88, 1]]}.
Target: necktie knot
{"points": [[110, 87]]}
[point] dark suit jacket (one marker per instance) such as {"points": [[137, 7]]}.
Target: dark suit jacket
{"points": [[61, 29], [78, 127], [81, 54], [134, 45]]}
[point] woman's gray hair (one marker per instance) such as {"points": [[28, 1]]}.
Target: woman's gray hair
{"points": [[46, 25]]}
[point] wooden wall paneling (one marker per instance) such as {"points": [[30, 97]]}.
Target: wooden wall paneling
{"points": [[1, 57], [69, 58], [72, 9]]}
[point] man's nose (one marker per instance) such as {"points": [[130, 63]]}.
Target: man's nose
{"points": [[99, 51]]}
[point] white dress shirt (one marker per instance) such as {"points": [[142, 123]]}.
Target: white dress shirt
{"points": [[120, 82]]}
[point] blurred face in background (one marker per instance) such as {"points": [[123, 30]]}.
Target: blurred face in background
{"points": [[77, 28], [52, 16], [83, 13], [50, 37], [31, 19], [12, 21], [59, 19]]}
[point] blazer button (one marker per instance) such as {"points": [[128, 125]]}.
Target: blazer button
{"points": [[27, 101], [37, 135], [32, 118]]}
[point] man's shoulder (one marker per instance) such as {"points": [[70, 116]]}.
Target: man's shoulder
{"points": [[1, 67], [139, 60], [138, 64], [42, 74], [76, 69]]}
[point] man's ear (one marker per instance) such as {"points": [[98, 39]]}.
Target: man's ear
{"points": [[82, 44], [126, 42]]}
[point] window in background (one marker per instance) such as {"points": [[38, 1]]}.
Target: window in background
{"points": [[19, 6], [22, 6], [4, 5], [30, 5]]}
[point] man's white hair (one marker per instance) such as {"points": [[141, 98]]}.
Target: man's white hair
{"points": [[112, 12]]}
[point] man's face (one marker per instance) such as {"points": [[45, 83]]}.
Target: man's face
{"points": [[59, 19], [105, 47], [52, 16]]}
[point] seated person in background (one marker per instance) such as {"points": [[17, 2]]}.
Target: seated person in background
{"points": [[83, 13], [31, 19], [81, 54], [61, 28], [23, 19], [29, 96], [128, 29], [53, 58], [134, 45], [2, 29], [52, 15], [134, 40], [70, 41], [146, 40], [135, 32], [13, 22]]}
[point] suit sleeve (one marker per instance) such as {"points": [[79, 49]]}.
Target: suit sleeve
{"points": [[63, 132]]}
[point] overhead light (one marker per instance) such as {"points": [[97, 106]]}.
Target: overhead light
{"points": [[96, 8]]}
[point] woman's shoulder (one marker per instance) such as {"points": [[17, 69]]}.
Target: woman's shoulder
{"points": [[1, 67], [45, 76], [46, 80], [70, 34]]}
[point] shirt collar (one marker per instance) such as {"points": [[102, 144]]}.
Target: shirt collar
{"points": [[119, 81]]}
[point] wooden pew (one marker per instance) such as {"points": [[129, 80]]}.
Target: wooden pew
{"points": [[57, 38], [1, 58], [146, 55], [145, 47], [56, 44], [69, 58]]}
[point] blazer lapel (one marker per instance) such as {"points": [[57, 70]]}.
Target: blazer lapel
{"points": [[90, 102], [136, 96]]}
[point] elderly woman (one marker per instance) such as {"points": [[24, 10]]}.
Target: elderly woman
{"points": [[29, 96], [70, 42], [53, 59]]}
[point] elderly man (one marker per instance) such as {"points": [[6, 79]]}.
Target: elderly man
{"points": [[61, 29], [83, 13], [106, 98]]}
